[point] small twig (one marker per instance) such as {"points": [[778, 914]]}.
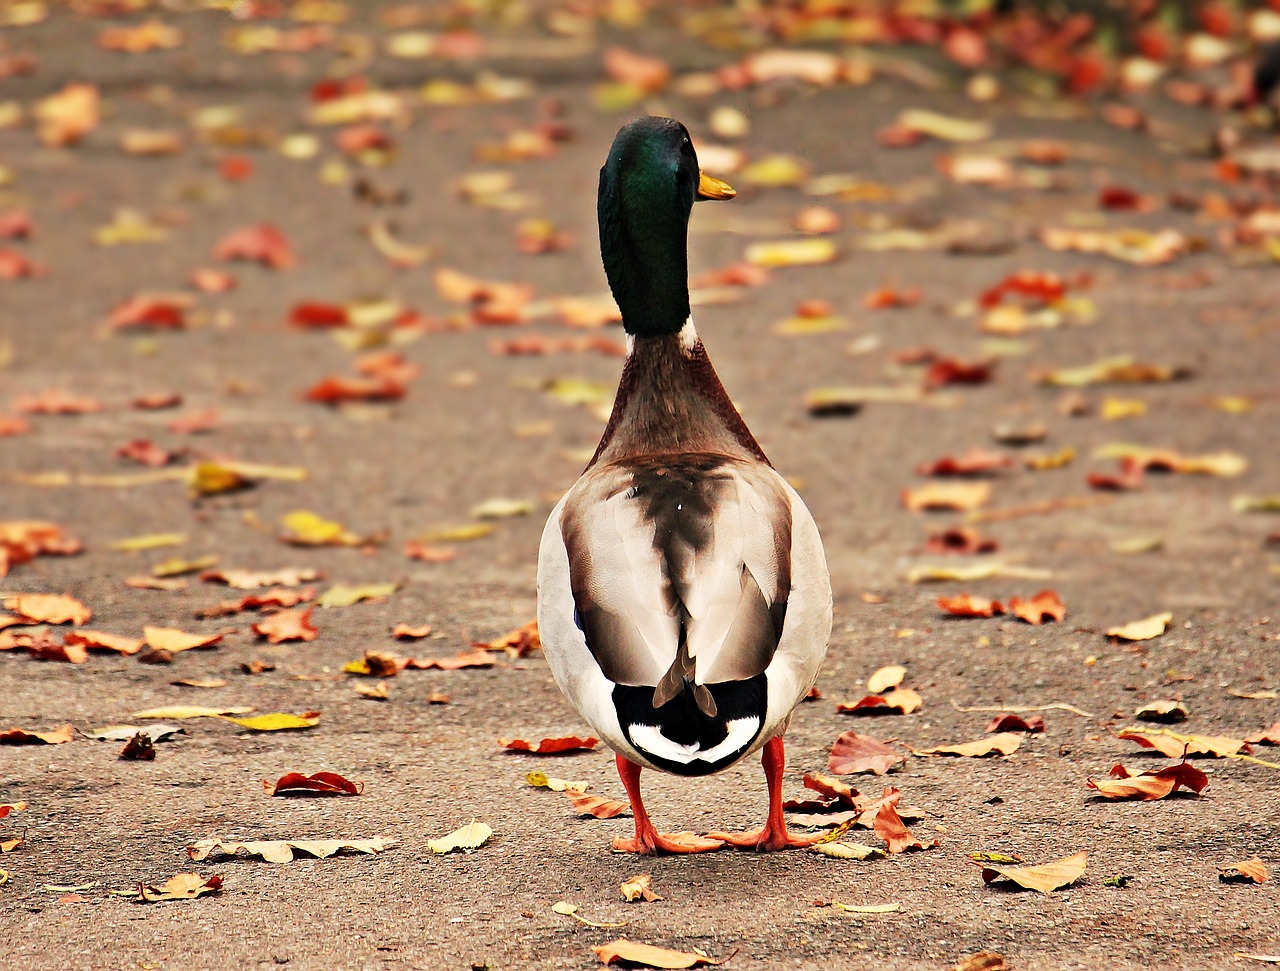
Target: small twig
{"points": [[1017, 709]]}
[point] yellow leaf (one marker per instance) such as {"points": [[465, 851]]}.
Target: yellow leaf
{"points": [[839, 850], [277, 721], [868, 909], [177, 566], [792, 252], [305, 528], [150, 541], [502, 508], [459, 534], [1118, 409], [1142, 630], [470, 837], [1003, 743], [945, 127], [775, 171], [344, 595], [885, 678]]}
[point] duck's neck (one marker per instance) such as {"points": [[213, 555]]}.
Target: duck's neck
{"points": [[670, 400]]}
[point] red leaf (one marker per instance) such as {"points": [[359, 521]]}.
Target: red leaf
{"points": [[550, 746], [1010, 722], [16, 225], [14, 265], [145, 452], [262, 243], [312, 316], [198, 421], [976, 461], [335, 390], [1131, 476], [152, 312], [320, 784], [951, 371], [55, 402]]}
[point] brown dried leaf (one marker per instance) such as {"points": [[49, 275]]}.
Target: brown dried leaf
{"points": [[48, 608], [1247, 871], [550, 746], [1010, 722], [889, 827], [1043, 607], [853, 754], [901, 700], [963, 496], [1004, 743], [20, 736], [639, 887], [967, 605], [597, 806], [632, 954], [1142, 630], [1177, 746], [1151, 785], [1044, 878], [288, 625]]}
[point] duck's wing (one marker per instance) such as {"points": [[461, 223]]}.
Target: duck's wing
{"points": [[680, 568]]}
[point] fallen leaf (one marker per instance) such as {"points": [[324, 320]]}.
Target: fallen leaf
{"points": [[550, 746], [190, 711], [902, 700], [840, 850], [1268, 736], [540, 780], [276, 721], [140, 748], [20, 736], [639, 887], [792, 252], [853, 754], [889, 827], [262, 243], [305, 528], [886, 677], [405, 632], [475, 659], [319, 784], [181, 886], [282, 851], [1167, 712], [975, 462], [48, 608], [1176, 746], [1043, 607], [11, 807], [1003, 743], [1247, 871], [287, 625], [1142, 630], [597, 806], [1010, 722], [252, 580], [982, 961], [967, 605], [344, 595], [962, 496], [469, 837], [1122, 369], [633, 954], [1044, 878], [1150, 785], [172, 640], [122, 733], [944, 127]]}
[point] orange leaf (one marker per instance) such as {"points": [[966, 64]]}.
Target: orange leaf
{"points": [[288, 625], [1045, 878], [11, 807], [962, 496], [1247, 871], [45, 648], [48, 608], [1268, 736], [19, 736], [967, 605], [1044, 606], [336, 389], [889, 826], [1177, 746], [429, 553], [853, 753], [597, 806], [476, 659], [976, 461], [320, 784], [1148, 786], [649, 74], [406, 633], [550, 746], [518, 643]]}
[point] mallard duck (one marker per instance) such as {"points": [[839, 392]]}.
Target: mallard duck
{"points": [[683, 596]]}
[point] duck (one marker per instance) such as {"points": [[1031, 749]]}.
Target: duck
{"points": [[684, 601]]}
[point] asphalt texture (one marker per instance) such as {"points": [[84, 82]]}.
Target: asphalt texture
{"points": [[462, 435]]}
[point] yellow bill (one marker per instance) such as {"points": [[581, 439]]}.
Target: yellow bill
{"points": [[710, 187]]}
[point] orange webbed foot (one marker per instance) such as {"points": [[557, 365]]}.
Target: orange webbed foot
{"points": [[767, 840]]}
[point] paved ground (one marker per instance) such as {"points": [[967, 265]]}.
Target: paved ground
{"points": [[462, 435]]}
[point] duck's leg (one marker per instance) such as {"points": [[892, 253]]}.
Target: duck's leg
{"points": [[648, 841], [773, 835]]}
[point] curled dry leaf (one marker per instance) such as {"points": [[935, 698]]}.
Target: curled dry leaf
{"points": [[283, 851], [474, 659], [262, 243], [287, 625], [886, 677], [975, 462], [467, 838], [1010, 722], [639, 887], [253, 580], [585, 804], [181, 886], [1003, 743], [1176, 746], [901, 700], [633, 954], [48, 608], [963, 496], [1044, 878], [1247, 871], [319, 784], [550, 746], [190, 711], [1268, 736], [407, 632], [1142, 630], [982, 961], [518, 643], [1166, 712], [853, 754], [889, 827], [840, 850], [20, 736], [140, 748], [1043, 607], [1151, 785]]}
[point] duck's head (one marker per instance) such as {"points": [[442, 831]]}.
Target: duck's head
{"points": [[647, 189]]}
